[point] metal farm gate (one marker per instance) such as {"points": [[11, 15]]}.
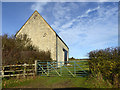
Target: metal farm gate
{"points": [[71, 69]]}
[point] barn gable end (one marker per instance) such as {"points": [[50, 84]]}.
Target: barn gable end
{"points": [[43, 36]]}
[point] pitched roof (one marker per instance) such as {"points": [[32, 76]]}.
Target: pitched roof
{"points": [[45, 22]]}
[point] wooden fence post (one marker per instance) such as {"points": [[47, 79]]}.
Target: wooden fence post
{"points": [[3, 71], [35, 67], [24, 69]]}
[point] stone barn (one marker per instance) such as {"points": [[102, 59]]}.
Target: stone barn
{"points": [[44, 37]]}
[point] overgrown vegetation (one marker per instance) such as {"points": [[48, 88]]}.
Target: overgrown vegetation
{"points": [[105, 64], [19, 50]]}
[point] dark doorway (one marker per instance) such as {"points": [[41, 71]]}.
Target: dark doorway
{"points": [[65, 56]]}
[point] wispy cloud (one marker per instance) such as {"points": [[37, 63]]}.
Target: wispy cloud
{"points": [[39, 6], [85, 29], [96, 28], [91, 10]]}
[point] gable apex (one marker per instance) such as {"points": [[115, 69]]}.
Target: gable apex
{"points": [[37, 13]]}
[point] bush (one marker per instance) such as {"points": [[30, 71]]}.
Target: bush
{"points": [[19, 50], [72, 58], [106, 62]]}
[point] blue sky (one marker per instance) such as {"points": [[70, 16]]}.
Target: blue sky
{"points": [[84, 26]]}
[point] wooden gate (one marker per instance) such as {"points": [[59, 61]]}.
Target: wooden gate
{"points": [[71, 69]]}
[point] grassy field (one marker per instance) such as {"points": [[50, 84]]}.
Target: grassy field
{"points": [[56, 82]]}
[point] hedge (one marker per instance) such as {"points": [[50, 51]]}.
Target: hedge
{"points": [[106, 62]]}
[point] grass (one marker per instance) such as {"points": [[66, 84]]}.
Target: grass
{"points": [[55, 82], [45, 82]]}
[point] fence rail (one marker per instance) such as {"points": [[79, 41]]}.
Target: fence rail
{"points": [[17, 70]]}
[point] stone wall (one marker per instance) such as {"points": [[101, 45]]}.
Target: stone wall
{"points": [[60, 52], [40, 33]]}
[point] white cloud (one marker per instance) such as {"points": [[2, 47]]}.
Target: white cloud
{"points": [[60, 10], [95, 32], [91, 10], [39, 6], [95, 28]]}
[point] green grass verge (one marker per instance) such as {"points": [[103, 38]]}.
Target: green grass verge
{"points": [[55, 82], [45, 82]]}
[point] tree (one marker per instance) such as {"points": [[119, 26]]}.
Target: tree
{"points": [[72, 58]]}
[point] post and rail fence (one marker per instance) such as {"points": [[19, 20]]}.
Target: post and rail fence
{"points": [[18, 70]]}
